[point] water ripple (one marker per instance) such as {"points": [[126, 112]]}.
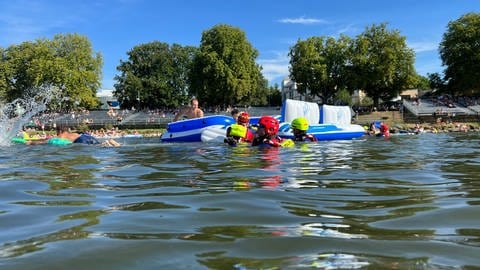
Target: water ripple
{"points": [[408, 202]]}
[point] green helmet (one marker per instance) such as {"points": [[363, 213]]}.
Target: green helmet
{"points": [[300, 123]]}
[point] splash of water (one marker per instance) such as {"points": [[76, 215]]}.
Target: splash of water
{"points": [[14, 115]]}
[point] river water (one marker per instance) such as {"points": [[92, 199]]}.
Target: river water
{"points": [[409, 202]]}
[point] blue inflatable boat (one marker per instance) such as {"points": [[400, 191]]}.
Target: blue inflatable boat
{"points": [[190, 130], [325, 132], [325, 123]]}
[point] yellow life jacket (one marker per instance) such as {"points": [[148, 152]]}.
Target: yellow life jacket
{"points": [[238, 130]]}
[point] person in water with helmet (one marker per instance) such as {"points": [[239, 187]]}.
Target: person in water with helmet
{"points": [[267, 133], [384, 130], [299, 127], [239, 132]]}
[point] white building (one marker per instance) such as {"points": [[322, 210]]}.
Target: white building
{"points": [[289, 90]]}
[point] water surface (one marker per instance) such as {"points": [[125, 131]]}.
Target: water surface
{"points": [[410, 202]]}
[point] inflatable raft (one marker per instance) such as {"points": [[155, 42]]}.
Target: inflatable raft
{"points": [[325, 123], [325, 132], [190, 130], [52, 141]]}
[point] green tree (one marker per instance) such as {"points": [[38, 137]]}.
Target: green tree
{"points": [[77, 69], [319, 66], [155, 75], [224, 71], [343, 97], [460, 53], [259, 96], [25, 67], [382, 64], [67, 62], [274, 95], [422, 82], [5, 74], [436, 83]]}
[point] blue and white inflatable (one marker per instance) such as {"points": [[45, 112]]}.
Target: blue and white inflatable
{"points": [[190, 130], [325, 123]]}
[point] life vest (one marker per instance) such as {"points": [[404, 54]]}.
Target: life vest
{"points": [[242, 132], [238, 130]]}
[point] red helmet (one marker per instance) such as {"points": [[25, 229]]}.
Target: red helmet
{"points": [[270, 124], [243, 117]]}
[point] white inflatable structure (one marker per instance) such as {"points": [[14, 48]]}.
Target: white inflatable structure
{"points": [[325, 123]]}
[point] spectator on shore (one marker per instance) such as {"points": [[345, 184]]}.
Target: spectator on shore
{"points": [[191, 112]]}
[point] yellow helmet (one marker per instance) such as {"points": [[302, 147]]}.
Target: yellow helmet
{"points": [[300, 123]]}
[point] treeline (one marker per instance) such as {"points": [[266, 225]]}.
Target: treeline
{"points": [[223, 70], [66, 62], [379, 62]]}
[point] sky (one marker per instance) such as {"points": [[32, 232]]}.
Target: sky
{"points": [[272, 27]]}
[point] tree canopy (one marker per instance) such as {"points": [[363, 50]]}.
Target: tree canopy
{"points": [[66, 62], [155, 75], [224, 70], [382, 63], [318, 66], [460, 53], [377, 61]]}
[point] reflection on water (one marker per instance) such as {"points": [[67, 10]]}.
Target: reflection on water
{"points": [[403, 203]]}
